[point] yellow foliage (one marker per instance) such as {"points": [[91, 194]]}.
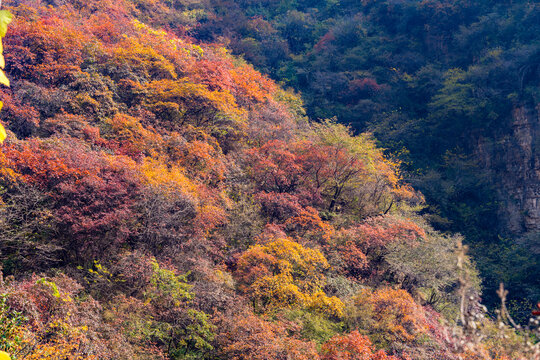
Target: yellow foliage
{"points": [[278, 290], [168, 179], [5, 20], [183, 95], [144, 59], [284, 274], [59, 340], [330, 306], [3, 134], [7, 174], [305, 265]]}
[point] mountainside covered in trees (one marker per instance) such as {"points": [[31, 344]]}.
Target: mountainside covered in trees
{"points": [[162, 199], [451, 88]]}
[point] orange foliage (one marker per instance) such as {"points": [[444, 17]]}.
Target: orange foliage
{"points": [[202, 156], [127, 136], [172, 181], [41, 165], [307, 224], [52, 48], [251, 86], [248, 337], [353, 346], [390, 315], [147, 140]]}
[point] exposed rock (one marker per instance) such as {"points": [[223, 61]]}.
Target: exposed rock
{"points": [[515, 163]]}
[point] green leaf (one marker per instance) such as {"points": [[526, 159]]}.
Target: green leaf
{"points": [[5, 20]]}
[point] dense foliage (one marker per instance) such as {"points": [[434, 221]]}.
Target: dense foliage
{"points": [[161, 199], [438, 82]]}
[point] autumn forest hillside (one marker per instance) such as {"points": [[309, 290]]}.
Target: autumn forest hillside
{"points": [[448, 87], [163, 199]]}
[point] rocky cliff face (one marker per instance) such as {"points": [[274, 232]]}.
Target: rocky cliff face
{"points": [[515, 163]]}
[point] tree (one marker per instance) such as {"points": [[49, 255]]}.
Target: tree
{"points": [[388, 315], [360, 178], [352, 346], [246, 336], [283, 273], [92, 194], [360, 251]]}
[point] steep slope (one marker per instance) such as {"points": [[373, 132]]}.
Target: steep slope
{"points": [[161, 199], [438, 83]]}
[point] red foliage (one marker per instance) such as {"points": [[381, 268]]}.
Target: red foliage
{"points": [[379, 232], [22, 119], [48, 49], [146, 140], [215, 74], [325, 41], [278, 206], [311, 171], [536, 312], [360, 248], [93, 193], [363, 87], [276, 167], [354, 259], [42, 165]]}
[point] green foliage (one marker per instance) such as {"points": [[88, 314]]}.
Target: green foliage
{"points": [[165, 283], [10, 323], [50, 285], [314, 326], [430, 268], [195, 337], [433, 78]]}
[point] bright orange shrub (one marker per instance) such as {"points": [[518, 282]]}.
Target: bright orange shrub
{"points": [[353, 346]]}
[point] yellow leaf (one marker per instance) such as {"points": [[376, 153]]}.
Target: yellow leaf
{"points": [[3, 136], [4, 356], [2, 61], [3, 78], [5, 19]]}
